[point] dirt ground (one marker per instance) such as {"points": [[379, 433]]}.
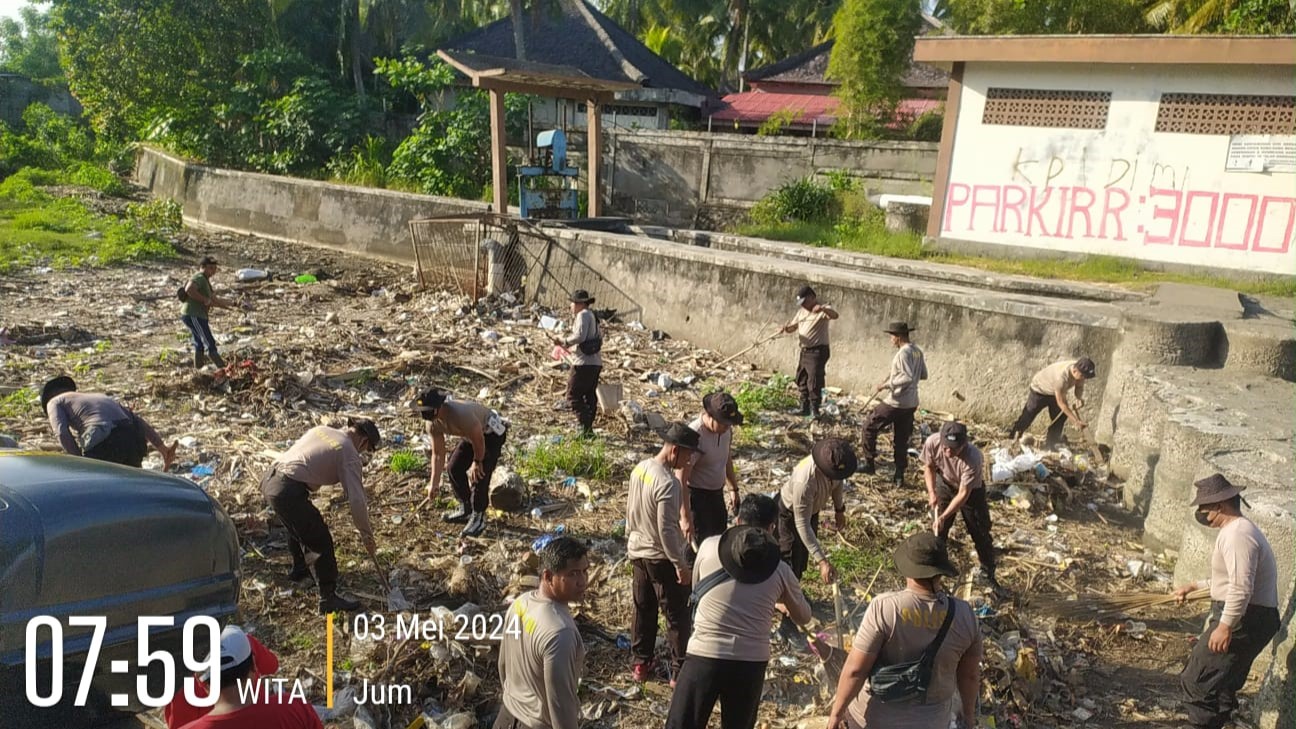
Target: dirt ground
{"points": [[363, 339]]}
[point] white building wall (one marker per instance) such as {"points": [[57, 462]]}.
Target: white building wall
{"points": [[1125, 190], [547, 113]]}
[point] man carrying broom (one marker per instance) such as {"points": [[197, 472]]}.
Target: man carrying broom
{"points": [[1244, 605]]}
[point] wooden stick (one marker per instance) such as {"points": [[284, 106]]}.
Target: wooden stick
{"points": [[754, 345]]}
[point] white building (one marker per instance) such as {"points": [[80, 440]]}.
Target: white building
{"points": [[1174, 150]]}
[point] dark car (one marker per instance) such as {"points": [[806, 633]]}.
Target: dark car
{"points": [[80, 537]]}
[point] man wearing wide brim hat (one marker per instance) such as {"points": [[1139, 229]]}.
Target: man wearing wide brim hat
{"points": [[1244, 605], [899, 404], [702, 504], [739, 583], [584, 344], [96, 426], [811, 325], [655, 545], [897, 628], [817, 479]]}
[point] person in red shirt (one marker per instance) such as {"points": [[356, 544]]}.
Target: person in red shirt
{"points": [[180, 712], [233, 711]]}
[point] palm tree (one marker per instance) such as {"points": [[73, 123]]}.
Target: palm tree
{"points": [[1188, 16]]}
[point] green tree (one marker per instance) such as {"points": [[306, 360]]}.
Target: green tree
{"points": [[1262, 17], [1022, 17], [29, 46], [874, 47], [162, 64]]}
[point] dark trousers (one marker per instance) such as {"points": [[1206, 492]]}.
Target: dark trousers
{"points": [[976, 516], [710, 515], [201, 333], [810, 375], [1212, 680], [794, 550], [902, 422], [737, 684], [582, 393], [124, 444], [1036, 402], [474, 495], [309, 540], [654, 583]]}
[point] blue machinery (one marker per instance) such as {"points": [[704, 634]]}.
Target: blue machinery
{"points": [[547, 187]]}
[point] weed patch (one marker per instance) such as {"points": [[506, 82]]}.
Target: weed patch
{"points": [[776, 394], [19, 404], [63, 233], [582, 457], [406, 461]]}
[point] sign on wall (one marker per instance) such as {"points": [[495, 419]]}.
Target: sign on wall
{"points": [[1261, 153]]}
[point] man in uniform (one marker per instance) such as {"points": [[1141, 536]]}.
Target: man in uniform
{"points": [[1048, 389], [542, 656], [585, 342], [811, 325], [739, 583], [899, 404], [815, 480], [96, 426], [199, 300], [482, 432], [656, 548], [702, 505], [321, 457], [952, 471], [1244, 605], [897, 628]]}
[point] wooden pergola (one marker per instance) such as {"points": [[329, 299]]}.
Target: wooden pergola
{"points": [[508, 75]]}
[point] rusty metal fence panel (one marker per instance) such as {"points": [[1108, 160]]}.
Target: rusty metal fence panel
{"points": [[454, 252]]}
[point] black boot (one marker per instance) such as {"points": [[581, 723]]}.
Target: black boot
{"points": [[216, 360], [805, 408], [476, 525], [898, 480], [998, 589], [335, 603], [200, 359], [301, 576], [458, 516]]}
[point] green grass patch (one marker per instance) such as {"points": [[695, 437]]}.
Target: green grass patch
{"points": [[869, 237], [406, 461], [776, 394], [63, 233], [22, 403], [749, 435], [581, 457]]}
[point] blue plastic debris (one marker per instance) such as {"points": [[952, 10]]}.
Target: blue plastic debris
{"points": [[202, 470], [542, 541], [623, 642]]}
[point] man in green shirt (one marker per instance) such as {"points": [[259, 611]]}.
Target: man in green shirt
{"points": [[198, 300]]}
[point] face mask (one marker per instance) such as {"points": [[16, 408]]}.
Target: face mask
{"points": [[1203, 517]]}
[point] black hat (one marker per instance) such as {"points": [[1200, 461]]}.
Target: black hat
{"points": [[835, 458], [804, 293], [954, 433], [898, 327], [923, 555], [54, 388], [749, 554], [367, 429], [427, 403], [208, 261], [1214, 489], [1086, 367], [683, 436], [581, 296], [723, 407]]}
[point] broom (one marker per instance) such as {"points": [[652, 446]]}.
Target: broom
{"points": [[1098, 604]]}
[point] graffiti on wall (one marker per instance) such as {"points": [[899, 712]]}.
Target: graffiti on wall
{"points": [[1120, 200]]}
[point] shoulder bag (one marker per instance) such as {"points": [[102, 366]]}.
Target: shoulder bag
{"points": [[908, 681]]}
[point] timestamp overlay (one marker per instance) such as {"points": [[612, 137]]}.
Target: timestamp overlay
{"points": [[439, 626]]}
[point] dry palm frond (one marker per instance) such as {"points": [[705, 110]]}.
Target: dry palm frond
{"points": [[1099, 604]]}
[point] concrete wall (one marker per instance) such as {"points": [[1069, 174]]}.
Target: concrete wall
{"points": [[688, 178], [17, 92], [1124, 190], [357, 219]]}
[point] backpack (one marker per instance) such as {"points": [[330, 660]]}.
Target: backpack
{"points": [[182, 294]]}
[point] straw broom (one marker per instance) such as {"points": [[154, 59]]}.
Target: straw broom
{"points": [[1098, 604]]}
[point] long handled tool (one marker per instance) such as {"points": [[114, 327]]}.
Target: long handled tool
{"points": [[839, 607], [754, 345], [395, 598]]}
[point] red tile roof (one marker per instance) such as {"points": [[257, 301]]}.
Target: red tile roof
{"points": [[754, 107]]}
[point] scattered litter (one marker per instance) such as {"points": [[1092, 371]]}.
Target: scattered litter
{"points": [[306, 278], [249, 275]]}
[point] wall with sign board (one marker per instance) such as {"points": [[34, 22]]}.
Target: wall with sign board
{"points": [[1192, 165]]}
